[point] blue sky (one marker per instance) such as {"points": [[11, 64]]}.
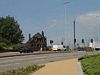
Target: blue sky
{"points": [[49, 16]]}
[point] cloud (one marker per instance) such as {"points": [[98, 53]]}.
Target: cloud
{"points": [[55, 29], [88, 25], [54, 23], [89, 19]]}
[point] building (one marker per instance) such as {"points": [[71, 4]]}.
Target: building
{"points": [[37, 42]]}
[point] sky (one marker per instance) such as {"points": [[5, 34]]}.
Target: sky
{"points": [[55, 18]]}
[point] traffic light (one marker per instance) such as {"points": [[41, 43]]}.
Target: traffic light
{"points": [[61, 43], [91, 40], [82, 40], [74, 40], [51, 41]]}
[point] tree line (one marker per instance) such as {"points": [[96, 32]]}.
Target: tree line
{"points": [[10, 32]]}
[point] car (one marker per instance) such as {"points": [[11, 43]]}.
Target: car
{"points": [[25, 50]]}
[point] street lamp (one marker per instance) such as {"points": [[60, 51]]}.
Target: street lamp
{"points": [[65, 4]]}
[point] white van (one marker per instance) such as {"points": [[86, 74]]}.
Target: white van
{"points": [[58, 48]]}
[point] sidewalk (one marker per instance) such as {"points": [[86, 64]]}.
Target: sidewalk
{"points": [[67, 67]]}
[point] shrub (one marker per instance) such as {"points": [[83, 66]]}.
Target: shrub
{"points": [[2, 46]]}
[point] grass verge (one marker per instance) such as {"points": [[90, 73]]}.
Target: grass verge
{"points": [[91, 64], [23, 71]]}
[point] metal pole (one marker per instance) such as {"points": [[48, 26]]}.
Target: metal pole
{"points": [[74, 35], [97, 32], [65, 4]]}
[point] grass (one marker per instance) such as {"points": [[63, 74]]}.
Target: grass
{"points": [[23, 71], [91, 64]]}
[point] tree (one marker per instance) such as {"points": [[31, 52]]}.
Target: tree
{"points": [[10, 30]]}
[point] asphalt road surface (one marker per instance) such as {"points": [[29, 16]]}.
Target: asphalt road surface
{"points": [[10, 63]]}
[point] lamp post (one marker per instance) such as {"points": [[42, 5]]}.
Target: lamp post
{"points": [[65, 5]]}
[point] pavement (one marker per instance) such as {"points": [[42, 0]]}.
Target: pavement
{"points": [[14, 60], [66, 67], [10, 63], [13, 54]]}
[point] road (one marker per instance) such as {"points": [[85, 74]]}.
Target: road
{"points": [[10, 63]]}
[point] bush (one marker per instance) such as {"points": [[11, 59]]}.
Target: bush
{"points": [[8, 48], [2, 47], [12, 47]]}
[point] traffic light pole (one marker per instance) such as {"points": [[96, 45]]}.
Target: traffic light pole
{"points": [[74, 35]]}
